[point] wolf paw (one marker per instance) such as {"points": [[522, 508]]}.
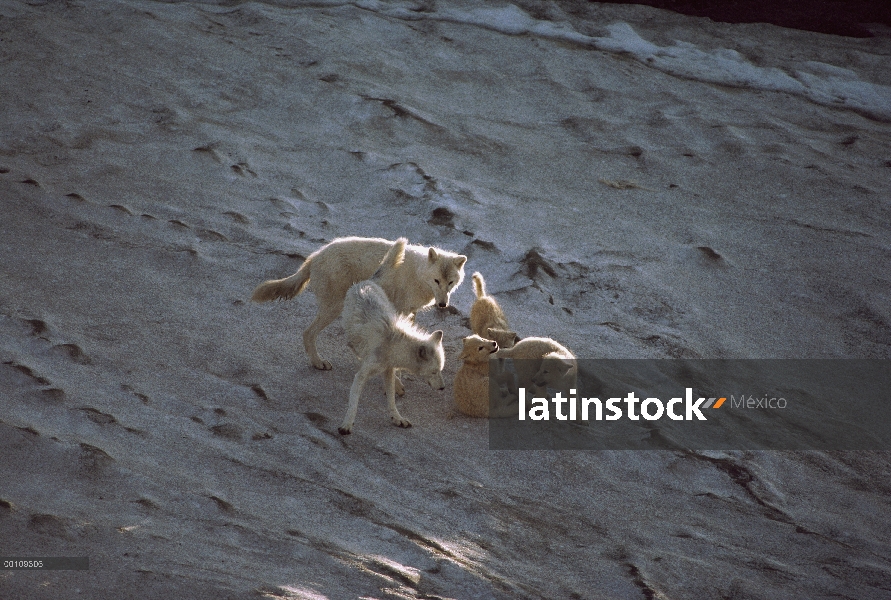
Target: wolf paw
{"points": [[322, 365], [400, 422], [345, 430]]}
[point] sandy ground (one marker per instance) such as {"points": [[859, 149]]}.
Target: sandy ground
{"points": [[158, 160]]}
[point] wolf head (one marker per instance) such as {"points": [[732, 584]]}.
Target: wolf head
{"points": [[505, 337], [445, 271], [553, 367], [477, 349], [430, 360]]}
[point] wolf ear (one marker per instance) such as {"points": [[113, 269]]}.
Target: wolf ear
{"points": [[436, 336], [460, 260], [431, 255]]}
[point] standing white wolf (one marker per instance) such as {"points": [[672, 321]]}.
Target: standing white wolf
{"points": [[426, 275], [386, 341]]}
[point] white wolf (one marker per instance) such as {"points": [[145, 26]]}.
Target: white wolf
{"points": [[386, 341], [426, 275], [540, 363], [473, 394]]}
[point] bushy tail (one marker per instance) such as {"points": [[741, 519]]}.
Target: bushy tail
{"points": [[392, 259], [479, 286], [283, 289]]}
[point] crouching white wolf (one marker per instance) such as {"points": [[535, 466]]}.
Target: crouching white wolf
{"points": [[386, 341], [427, 275], [540, 363]]}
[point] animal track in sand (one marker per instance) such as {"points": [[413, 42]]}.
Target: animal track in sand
{"points": [[534, 264], [75, 196], [98, 417], [670, 347], [28, 372], [237, 217], [210, 151], [316, 419], [300, 206], [488, 246], [47, 524], [122, 208], [709, 253], [412, 174], [259, 391], [706, 257], [319, 421], [141, 396], [96, 231], [401, 111], [93, 459], [3, 170], [38, 327], [229, 431], [30, 181], [242, 168], [53, 394], [624, 184], [74, 352], [147, 504], [209, 235], [224, 506], [638, 580], [442, 217]]}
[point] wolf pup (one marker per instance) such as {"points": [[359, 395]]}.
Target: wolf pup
{"points": [[541, 363], [427, 275], [473, 395], [385, 341], [487, 320]]}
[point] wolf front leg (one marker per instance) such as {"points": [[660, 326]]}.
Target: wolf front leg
{"points": [[365, 371], [395, 417]]}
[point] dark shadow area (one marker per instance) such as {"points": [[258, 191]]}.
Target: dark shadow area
{"points": [[837, 17]]}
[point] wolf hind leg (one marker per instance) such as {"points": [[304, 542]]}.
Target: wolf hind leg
{"points": [[328, 313]]}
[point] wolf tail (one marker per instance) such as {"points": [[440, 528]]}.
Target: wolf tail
{"points": [[479, 286], [392, 259], [284, 289]]}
